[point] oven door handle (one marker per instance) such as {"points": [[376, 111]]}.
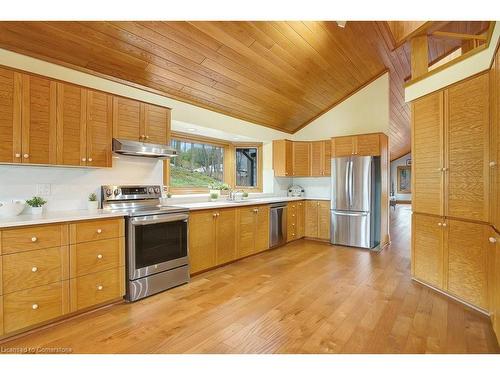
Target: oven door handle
{"points": [[156, 219]]}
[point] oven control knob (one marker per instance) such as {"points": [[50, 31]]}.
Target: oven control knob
{"points": [[108, 192], [157, 189], [117, 192], [151, 190]]}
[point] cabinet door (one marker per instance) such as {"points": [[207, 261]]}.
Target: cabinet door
{"points": [[311, 225], [467, 139], [300, 223], [157, 124], [301, 155], [39, 120], [368, 145], [427, 154], [10, 116], [495, 145], [327, 158], [225, 236], [282, 158], [324, 220], [262, 229], [291, 214], [128, 119], [343, 146], [246, 231], [99, 128], [496, 288], [467, 253], [427, 249], [202, 240], [317, 158], [71, 125]]}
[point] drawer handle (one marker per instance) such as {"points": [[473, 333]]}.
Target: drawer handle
{"points": [[84, 159], [444, 224], [492, 239], [439, 224], [18, 155], [99, 231], [99, 256], [34, 306], [26, 156], [90, 159], [100, 287], [34, 239], [34, 269]]}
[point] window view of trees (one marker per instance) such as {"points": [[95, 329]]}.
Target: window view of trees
{"points": [[246, 167], [197, 165]]}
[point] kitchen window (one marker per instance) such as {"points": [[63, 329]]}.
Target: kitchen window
{"points": [[248, 173]]}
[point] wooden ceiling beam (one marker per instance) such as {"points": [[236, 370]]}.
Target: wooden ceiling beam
{"points": [[448, 35], [419, 56]]}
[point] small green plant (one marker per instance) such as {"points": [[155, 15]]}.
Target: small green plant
{"points": [[214, 196], [214, 186], [245, 194], [92, 197], [169, 195], [36, 202], [225, 187]]}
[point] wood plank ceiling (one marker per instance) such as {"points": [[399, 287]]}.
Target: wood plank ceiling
{"points": [[278, 74]]}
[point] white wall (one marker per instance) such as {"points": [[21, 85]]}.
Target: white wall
{"points": [[394, 176], [70, 187], [367, 111]]}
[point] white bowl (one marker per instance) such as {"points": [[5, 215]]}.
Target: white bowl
{"points": [[10, 209]]}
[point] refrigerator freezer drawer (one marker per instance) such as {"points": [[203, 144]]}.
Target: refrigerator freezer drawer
{"points": [[352, 229]]}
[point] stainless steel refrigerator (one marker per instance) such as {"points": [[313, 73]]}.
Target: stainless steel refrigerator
{"points": [[355, 201]]}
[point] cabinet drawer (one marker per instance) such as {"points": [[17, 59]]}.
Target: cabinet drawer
{"points": [[34, 268], [95, 256], [33, 238], [96, 230], [97, 288], [33, 306]]}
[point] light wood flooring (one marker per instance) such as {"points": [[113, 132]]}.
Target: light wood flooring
{"points": [[306, 297]]}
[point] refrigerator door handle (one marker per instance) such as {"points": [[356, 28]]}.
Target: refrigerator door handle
{"points": [[350, 182], [342, 213], [347, 187]]}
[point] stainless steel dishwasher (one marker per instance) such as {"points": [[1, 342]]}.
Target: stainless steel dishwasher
{"points": [[277, 224]]}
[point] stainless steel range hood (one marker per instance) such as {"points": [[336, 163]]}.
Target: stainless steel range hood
{"points": [[149, 150]]}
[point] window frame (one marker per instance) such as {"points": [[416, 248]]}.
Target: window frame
{"points": [[229, 163]]}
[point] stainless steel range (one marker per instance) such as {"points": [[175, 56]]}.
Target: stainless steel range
{"points": [[156, 239]]}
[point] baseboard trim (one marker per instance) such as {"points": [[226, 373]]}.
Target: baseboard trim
{"points": [[451, 296]]}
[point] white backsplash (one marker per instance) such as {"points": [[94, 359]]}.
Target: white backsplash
{"points": [[70, 187], [315, 187]]}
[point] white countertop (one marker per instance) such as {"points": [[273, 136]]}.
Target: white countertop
{"points": [[246, 202], [55, 217]]}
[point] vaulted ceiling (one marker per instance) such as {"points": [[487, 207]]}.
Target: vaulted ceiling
{"points": [[279, 74]]}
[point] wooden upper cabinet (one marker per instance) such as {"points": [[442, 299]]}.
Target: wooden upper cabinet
{"points": [[38, 120], [343, 146], [467, 271], [320, 158], [128, 121], [283, 158], [427, 249], [71, 124], [427, 154], [367, 145], [156, 124], [10, 116], [467, 142], [99, 128], [301, 161]]}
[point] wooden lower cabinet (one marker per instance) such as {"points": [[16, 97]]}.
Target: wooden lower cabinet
{"points": [[212, 238], [252, 230], [495, 292], [97, 288], [295, 220], [34, 306], [43, 278], [317, 219], [453, 255], [427, 249]]}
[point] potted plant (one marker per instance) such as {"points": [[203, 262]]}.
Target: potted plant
{"points": [[214, 196], [224, 189], [244, 195], [92, 204], [214, 189], [36, 204], [165, 199]]}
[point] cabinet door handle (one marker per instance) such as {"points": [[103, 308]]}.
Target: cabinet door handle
{"points": [[34, 269], [444, 224], [492, 164], [99, 256], [84, 159], [90, 159], [99, 231], [439, 224], [214, 214], [34, 306], [100, 287], [26, 156], [492, 239], [18, 155], [34, 239]]}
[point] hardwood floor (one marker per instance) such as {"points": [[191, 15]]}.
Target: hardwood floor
{"points": [[306, 297]]}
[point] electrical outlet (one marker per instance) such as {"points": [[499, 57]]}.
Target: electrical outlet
{"points": [[43, 189]]}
